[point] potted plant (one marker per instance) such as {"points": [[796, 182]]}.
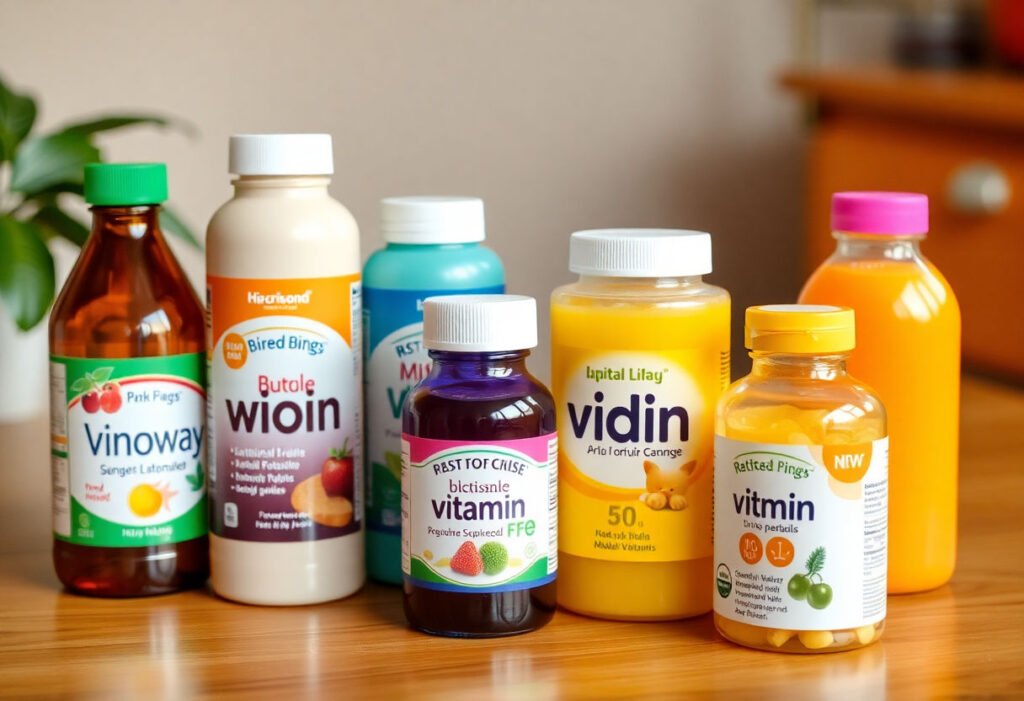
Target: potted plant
{"points": [[39, 175]]}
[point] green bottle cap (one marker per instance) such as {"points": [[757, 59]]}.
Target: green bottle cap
{"points": [[125, 184]]}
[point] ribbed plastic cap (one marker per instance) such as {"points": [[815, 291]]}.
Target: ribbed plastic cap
{"points": [[427, 220], [125, 184], [479, 323], [887, 213], [800, 328], [280, 154], [640, 252]]}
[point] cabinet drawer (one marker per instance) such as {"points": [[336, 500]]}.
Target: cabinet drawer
{"points": [[982, 255]]}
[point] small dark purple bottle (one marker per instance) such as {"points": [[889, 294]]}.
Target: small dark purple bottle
{"points": [[479, 474]]}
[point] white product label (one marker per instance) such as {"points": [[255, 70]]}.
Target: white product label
{"points": [[480, 516], [285, 407], [800, 534], [127, 449]]}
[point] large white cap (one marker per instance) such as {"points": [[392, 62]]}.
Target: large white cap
{"points": [[432, 219], [479, 323], [640, 252], [280, 154]]}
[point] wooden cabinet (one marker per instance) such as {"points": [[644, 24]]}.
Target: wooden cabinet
{"points": [[959, 138]]}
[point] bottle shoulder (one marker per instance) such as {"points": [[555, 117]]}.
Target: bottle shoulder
{"points": [[909, 293], [781, 409], [448, 267], [616, 294], [118, 303], [266, 237], [482, 409]]}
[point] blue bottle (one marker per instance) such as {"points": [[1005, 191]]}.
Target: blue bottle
{"points": [[433, 248]]}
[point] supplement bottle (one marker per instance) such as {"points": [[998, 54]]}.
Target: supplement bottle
{"points": [[479, 474], [433, 248], [285, 360], [800, 490], [908, 350], [640, 356], [127, 381]]}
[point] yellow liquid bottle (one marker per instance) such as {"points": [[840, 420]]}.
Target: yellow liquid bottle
{"points": [[801, 490], [640, 356]]}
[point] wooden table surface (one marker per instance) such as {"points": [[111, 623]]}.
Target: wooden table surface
{"points": [[964, 640]]}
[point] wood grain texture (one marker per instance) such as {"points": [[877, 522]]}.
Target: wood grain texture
{"points": [[963, 640], [972, 98]]}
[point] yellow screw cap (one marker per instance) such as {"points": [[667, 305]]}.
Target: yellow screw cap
{"points": [[799, 328]]}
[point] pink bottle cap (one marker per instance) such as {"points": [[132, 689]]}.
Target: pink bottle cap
{"points": [[880, 212]]}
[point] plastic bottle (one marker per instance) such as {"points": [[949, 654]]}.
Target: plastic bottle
{"points": [[479, 474], [433, 248], [285, 410], [908, 350], [801, 476], [128, 401], [640, 356]]}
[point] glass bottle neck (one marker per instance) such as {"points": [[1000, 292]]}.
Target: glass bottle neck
{"points": [[126, 223], [798, 366], [281, 186], [867, 247], [465, 366]]}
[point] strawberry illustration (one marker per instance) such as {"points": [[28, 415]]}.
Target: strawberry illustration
{"points": [[338, 473], [467, 560]]}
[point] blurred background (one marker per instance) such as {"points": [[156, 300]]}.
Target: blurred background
{"points": [[738, 117]]}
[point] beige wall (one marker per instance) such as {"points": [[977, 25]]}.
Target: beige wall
{"points": [[561, 114]]}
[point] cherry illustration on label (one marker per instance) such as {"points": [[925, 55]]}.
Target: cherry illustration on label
{"points": [[99, 391], [110, 399], [91, 402], [338, 473]]}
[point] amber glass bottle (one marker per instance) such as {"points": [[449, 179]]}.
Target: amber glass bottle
{"points": [[127, 341]]}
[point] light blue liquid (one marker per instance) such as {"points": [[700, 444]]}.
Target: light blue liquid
{"points": [[396, 280]]}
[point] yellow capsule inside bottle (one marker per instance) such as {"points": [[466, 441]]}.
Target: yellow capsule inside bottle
{"points": [[801, 482]]}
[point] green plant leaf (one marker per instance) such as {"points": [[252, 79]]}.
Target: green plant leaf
{"points": [[48, 193], [26, 272], [80, 385], [17, 115], [172, 224], [816, 561], [45, 161], [101, 375], [196, 480], [56, 222], [93, 126]]}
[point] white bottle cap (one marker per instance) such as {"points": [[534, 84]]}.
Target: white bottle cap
{"points": [[479, 323], [640, 252], [280, 154], [432, 219]]}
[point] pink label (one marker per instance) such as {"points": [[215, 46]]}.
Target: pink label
{"points": [[422, 448]]}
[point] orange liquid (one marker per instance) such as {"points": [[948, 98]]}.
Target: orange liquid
{"points": [[908, 351]]}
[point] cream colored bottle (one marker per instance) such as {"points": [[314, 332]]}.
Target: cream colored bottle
{"points": [[285, 379]]}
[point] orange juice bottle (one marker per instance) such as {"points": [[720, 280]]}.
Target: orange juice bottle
{"points": [[640, 356], [908, 350]]}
